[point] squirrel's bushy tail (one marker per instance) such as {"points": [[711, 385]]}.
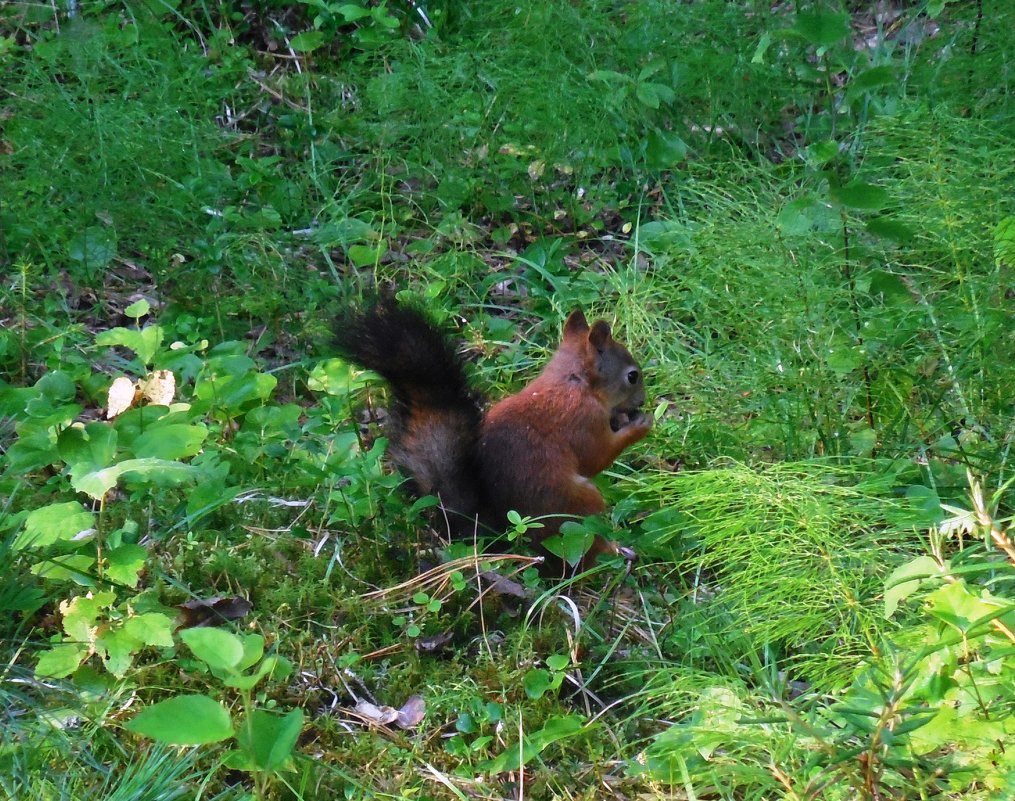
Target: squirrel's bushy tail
{"points": [[435, 416]]}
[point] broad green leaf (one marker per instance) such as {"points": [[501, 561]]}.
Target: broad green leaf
{"points": [[344, 231], [648, 94], [352, 12], [184, 720], [1004, 242], [221, 650], [609, 76], [76, 567], [557, 727], [820, 153], [151, 628], [663, 149], [81, 614], [158, 471], [144, 343], [658, 236], [269, 739], [87, 448], [231, 390], [957, 606], [889, 228], [822, 28], [307, 42], [253, 650], [117, 647], [536, 683], [61, 660], [367, 255], [138, 309], [906, 579], [796, 217], [58, 521], [572, 542], [124, 564], [872, 79], [273, 665], [93, 248], [173, 441], [859, 195]]}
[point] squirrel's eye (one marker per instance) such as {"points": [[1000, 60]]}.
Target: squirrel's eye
{"points": [[632, 376]]}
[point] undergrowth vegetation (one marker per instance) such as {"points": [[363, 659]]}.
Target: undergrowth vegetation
{"points": [[800, 219]]}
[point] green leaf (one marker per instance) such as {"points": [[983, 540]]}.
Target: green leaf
{"points": [[53, 523], [822, 28], [859, 195], [1004, 242], [572, 542], [307, 42], [276, 666], [269, 739], [557, 727], [117, 647], [536, 683], [221, 650], [87, 448], [172, 441], [609, 76], [76, 567], [352, 12], [253, 649], [797, 217], [144, 343], [907, 579], [99, 482], [764, 42], [124, 564], [888, 228], [558, 661], [872, 79], [652, 94], [151, 628], [93, 248], [61, 660], [184, 720], [955, 605], [81, 614], [367, 255], [138, 309], [663, 149]]}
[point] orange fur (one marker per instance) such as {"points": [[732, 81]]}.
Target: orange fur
{"points": [[535, 452]]}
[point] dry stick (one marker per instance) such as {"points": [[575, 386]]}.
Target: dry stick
{"points": [[1000, 539], [985, 519]]}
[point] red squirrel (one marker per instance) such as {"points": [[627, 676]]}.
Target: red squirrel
{"points": [[535, 452]]}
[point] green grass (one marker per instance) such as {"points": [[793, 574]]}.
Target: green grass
{"points": [[806, 242]]}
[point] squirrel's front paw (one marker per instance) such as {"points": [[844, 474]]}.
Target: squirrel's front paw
{"points": [[631, 419]]}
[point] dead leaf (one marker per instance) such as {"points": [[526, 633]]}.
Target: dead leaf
{"points": [[210, 611], [434, 643], [120, 397], [378, 715], [412, 713], [159, 387]]}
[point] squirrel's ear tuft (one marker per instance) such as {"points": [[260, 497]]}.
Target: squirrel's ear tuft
{"points": [[576, 324], [600, 333]]}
